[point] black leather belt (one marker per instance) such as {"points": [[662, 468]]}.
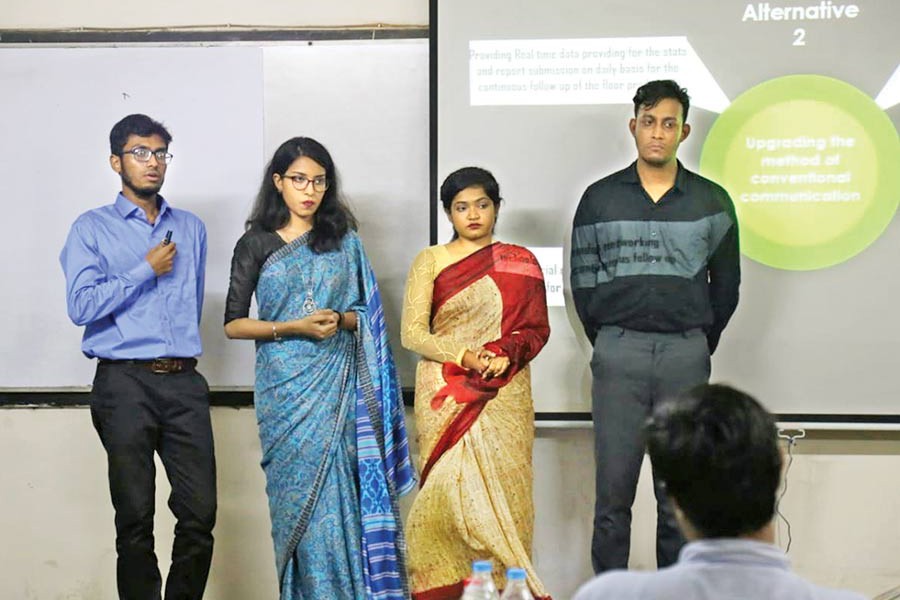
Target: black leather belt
{"points": [[160, 366]]}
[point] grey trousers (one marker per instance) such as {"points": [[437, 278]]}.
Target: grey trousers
{"points": [[632, 372]]}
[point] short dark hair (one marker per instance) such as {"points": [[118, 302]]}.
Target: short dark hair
{"points": [[467, 177], [649, 95], [139, 125], [716, 449], [332, 219]]}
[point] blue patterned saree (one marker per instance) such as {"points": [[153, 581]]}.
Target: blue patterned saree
{"points": [[331, 426]]}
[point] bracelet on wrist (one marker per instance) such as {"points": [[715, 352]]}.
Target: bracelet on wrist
{"points": [[275, 336], [340, 319]]}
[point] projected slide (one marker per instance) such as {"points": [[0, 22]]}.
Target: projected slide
{"points": [[800, 153], [794, 109]]}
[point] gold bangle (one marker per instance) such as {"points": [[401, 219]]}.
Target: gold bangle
{"points": [[275, 336], [460, 356]]}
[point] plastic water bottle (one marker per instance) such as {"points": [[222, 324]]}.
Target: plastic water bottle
{"points": [[481, 584], [471, 590], [516, 586]]}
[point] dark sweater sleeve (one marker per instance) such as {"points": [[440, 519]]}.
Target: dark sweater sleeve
{"points": [[584, 262], [724, 270], [250, 253]]}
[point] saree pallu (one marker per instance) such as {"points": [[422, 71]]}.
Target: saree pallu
{"points": [[475, 436], [331, 427]]}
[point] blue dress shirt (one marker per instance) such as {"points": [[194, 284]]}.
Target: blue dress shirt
{"points": [[128, 312]]}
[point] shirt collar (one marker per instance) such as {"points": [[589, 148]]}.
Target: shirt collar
{"points": [[681, 178], [126, 208], [631, 176], [734, 551]]}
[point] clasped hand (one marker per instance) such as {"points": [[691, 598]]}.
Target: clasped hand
{"points": [[320, 325], [486, 362]]}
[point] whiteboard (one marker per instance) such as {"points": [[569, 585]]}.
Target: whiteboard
{"points": [[228, 108]]}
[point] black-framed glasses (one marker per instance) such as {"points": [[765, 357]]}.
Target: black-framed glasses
{"points": [[301, 182], [143, 154]]}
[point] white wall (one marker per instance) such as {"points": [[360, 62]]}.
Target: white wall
{"points": [[57, 14], [58, 537]]}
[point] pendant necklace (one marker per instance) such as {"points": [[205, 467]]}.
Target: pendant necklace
{"points": [[309, 304]]}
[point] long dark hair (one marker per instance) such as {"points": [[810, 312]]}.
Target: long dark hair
{"points": [[332, 220]]}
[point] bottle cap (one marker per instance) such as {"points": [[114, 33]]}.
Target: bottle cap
{"points": [[482, 566], [515, 574]]}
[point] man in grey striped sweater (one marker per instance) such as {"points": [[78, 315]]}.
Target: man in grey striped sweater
{"points": [[655, 271]]}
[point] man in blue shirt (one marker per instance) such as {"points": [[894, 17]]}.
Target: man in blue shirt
{"points": [[134, 279], [716, 450]]}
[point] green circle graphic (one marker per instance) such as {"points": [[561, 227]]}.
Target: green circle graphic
{"points": [[811, 164]]}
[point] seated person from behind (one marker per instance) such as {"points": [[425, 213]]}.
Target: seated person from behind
{"points": [[717, 450]]}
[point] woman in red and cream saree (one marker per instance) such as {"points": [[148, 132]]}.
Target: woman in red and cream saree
{"points": [[475, 426]]}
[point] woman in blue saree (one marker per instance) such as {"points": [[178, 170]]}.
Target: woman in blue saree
{"points": [[327, 397]]}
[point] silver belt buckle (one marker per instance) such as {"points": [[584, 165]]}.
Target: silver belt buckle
{"points": [[162, 366]]}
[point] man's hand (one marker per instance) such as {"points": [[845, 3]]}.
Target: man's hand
{"points": [[161, 258]]}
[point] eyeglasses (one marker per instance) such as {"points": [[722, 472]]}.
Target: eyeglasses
{"points": [[301, 182], [143, 154]]}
